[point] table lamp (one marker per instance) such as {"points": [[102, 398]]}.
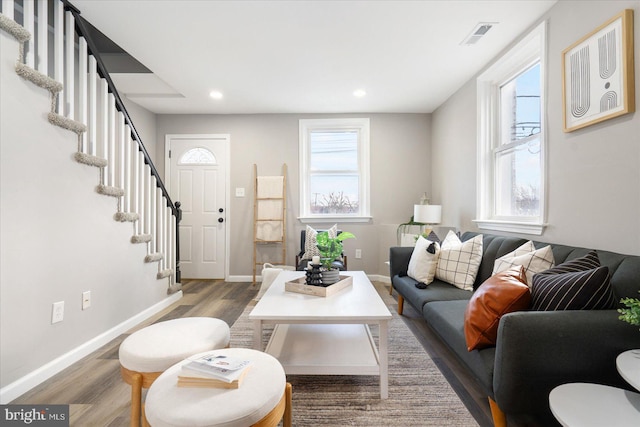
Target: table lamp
{"points": [[427, 215]]}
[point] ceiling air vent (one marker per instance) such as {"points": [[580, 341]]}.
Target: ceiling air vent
{"points": [[480, 30]]}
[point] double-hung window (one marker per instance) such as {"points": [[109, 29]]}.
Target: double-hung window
{"points": [[511, 143], [334, 170]]}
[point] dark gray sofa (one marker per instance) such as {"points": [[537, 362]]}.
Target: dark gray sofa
{"points": [[536, 350]]}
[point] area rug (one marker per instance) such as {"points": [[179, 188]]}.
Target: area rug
{"points": [[419, 395]]}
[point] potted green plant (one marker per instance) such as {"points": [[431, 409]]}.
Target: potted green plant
{"points": [[330, 250], [631, 314]]}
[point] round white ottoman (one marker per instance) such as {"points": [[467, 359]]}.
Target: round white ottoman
{"points": [[263, 398], [146, 353]]}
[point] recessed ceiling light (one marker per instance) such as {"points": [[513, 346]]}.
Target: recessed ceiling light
{"points": [[359, 93], [215, 94]]}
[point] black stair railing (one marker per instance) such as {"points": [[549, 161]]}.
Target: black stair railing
{"points": [[82, 30]]}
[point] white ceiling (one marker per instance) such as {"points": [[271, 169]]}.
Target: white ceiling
{"points": [[304, 56]]}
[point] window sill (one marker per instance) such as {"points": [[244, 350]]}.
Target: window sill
{"points": [[334, 219], [511, 226]]}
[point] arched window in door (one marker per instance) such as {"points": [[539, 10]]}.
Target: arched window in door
{"points": [[198, 156]]}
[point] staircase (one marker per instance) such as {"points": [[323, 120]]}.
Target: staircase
{"points": [[57, 54]]}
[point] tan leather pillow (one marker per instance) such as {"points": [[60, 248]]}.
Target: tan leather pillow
{"points": [[500, 294]]}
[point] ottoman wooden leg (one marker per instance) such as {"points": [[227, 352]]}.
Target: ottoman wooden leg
{"points": [[136, 400], [145, 423], [286, 421]]}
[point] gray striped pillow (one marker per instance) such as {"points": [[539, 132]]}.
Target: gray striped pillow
{"points": [[579, 284]]}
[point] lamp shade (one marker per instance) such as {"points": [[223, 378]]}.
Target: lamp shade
{"points": [[427, 214]]}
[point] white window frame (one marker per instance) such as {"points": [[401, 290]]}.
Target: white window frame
{"points": [[361, 126], [531, 49]]}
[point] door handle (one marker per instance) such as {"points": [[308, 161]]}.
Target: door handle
{"points": [[220, 219], [220, 210]]}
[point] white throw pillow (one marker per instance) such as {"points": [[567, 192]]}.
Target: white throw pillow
{"points": [[310, 242], [533, 260], [422, 265], [459, 261]]}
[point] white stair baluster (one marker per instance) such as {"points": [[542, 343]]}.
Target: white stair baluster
{"points": [[42, 46], [110, 145], [110, 117], [82, 87], [159, 199], [147, 199], [93, 105], [28, 11], [58, 51], [7, 8], [134, 178], [127, 170], [69, 68], [103, 112], [141, 170], [120, 151], [161, 229], [154, 215]]}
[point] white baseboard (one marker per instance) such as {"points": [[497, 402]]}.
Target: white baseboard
{"points": [[43, 373], [379, 278]]}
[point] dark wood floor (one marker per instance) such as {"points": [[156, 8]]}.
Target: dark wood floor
{"points": [[98, 397]]}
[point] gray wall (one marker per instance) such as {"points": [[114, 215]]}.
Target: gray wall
{"points": [[145, 123], [400, 173], [593, 174]]}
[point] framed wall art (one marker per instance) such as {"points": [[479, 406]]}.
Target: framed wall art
{"points": [[598, 74]]}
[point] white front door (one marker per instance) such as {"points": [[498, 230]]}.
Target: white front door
{"points": [[198, 174]]}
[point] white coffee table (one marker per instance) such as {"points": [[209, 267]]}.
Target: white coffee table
{"points": [[585, 404], [325, 335], [628, 364]]}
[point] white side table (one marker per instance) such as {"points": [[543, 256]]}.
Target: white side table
{"points": [[584, 405], [628, 364]]}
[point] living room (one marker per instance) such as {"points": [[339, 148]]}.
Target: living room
{"points": [[592, 192]]}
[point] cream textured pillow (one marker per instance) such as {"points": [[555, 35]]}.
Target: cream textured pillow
{"points": [[310, 242], [424, 260], [459, 261], [534, 261]]}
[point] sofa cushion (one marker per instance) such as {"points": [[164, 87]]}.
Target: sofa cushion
{"points": [[533, 260], [446, 318], [459, 261], [492, 247], [436, 291], [424, 260], [583, 263], [502, 293], [578, 284], [623, 269]]}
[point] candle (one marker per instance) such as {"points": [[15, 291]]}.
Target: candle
{"points": [[315, 260]]}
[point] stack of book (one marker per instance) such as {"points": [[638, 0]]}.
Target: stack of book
{"points": [[211, 370]]}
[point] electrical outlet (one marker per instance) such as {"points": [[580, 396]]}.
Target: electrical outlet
{"points": [[240, 192], [358, 253], [86, 300], [57, 312]]}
